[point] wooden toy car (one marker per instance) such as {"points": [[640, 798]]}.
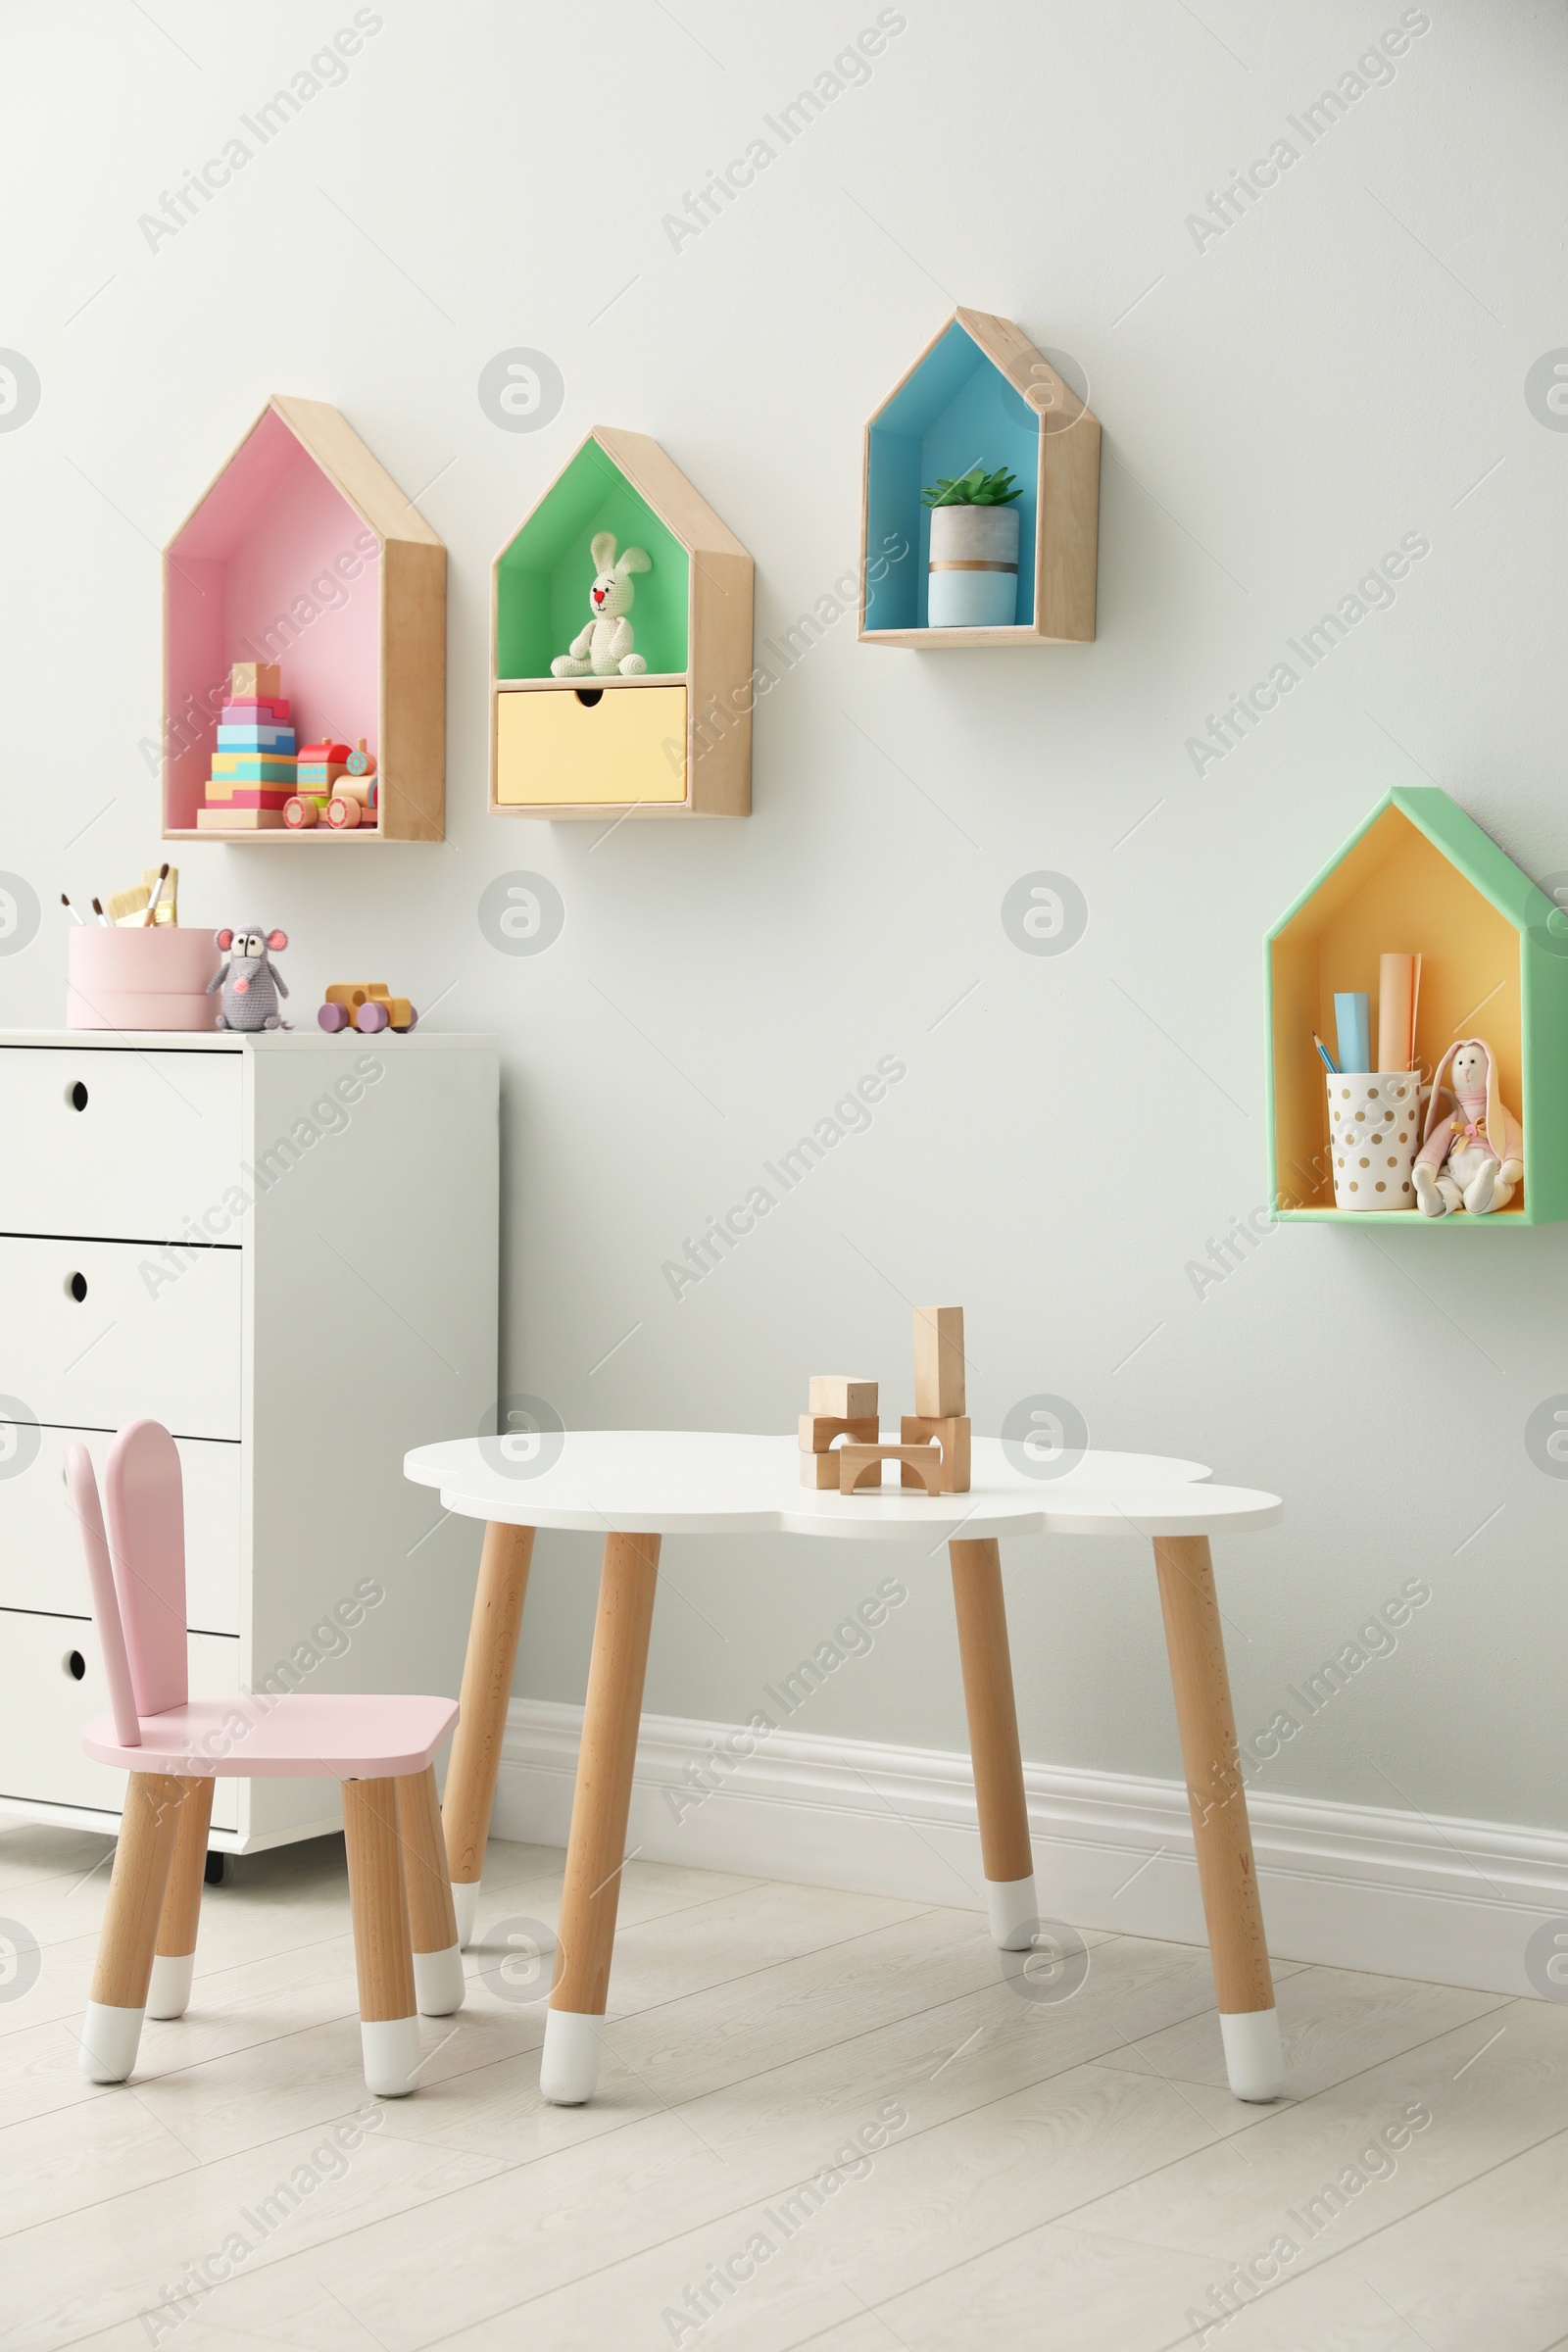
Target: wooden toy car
{"points": [[365, 1006]]}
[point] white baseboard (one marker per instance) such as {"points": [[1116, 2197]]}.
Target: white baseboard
{"points": [[1353, 1886]]}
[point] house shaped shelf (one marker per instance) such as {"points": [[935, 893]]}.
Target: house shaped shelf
{"points": [[305, 553], [674, 740], [982, 395], [1420, 877]]}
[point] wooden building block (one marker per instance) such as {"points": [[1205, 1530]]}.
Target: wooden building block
{"points": [[952, 1434], [939, 1362], [856, 1462], [238, 821], [818, 1431], [845, 1399], [253, 681], [820, 1470]]}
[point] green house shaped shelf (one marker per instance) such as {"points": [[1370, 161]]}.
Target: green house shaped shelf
{"points": [[1420, 877], [673, 740]]}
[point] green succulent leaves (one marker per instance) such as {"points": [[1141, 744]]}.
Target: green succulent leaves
{"points": [[976, 488]]}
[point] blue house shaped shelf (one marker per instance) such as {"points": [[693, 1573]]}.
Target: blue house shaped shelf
{"points": [[980, 394]]}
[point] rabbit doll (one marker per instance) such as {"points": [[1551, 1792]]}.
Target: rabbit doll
{"points": [[1474, 1158], [604, 647]]}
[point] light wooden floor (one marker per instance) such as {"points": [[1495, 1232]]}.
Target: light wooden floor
{"points": [[1068, 2175]]}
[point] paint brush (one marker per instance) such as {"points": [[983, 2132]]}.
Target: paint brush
{"points": [[70, 909], [150, 917], [98, 909]]}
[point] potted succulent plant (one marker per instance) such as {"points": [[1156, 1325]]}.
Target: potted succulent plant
{"points": [[973, 561]]}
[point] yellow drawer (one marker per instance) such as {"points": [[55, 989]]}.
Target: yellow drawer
{"points": [[628, 746]]}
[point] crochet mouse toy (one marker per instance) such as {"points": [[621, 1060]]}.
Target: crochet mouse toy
{"points": [[250, 982], [1474, 1158], [602, 650]]}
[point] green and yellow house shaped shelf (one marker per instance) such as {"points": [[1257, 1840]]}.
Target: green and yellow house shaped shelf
{"points": [[674, 740], [1420, 877]]}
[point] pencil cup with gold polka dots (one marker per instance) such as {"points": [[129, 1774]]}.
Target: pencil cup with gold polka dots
{"points": [[1374, 1136]]}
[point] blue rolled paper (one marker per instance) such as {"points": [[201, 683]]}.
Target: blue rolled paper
{"points": [[1353, 1019]]}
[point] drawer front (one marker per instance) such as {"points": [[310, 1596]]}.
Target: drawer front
{"points": [[42, 1565], [145, 1340], [43, 1705], [155, 1145], [630, 746]]}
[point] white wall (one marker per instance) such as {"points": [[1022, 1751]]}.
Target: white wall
{"points": [[1346, 364]]}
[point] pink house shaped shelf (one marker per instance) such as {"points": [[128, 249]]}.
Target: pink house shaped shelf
{"points": [[304, 552]]}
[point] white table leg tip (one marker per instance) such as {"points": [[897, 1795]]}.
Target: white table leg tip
{"points": [[465, 1903], [109, 2043], [568, 2067], [168, 1993], [1014, 1912], [1254, 2060], [439, 1983], [391, 2049]]}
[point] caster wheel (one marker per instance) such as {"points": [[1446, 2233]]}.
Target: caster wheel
{"points": [[213, 1870]]}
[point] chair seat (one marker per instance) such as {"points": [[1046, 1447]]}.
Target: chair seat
{"points": [[340, 1736]]}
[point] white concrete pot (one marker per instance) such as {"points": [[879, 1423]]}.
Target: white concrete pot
{"points": [[973, 567]]}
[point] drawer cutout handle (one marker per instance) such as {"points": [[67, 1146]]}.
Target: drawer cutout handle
{"points": [[590, 697], [76, 1287], [75, 1665], [77, 1096]]}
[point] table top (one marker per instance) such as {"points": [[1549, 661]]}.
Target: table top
{"points": [[691, 1482]]}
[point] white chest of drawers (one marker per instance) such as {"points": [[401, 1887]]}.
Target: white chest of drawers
{"points": [[284, 1248]]}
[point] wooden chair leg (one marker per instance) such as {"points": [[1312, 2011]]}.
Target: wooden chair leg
{"points": [[124, 1970], [389, 2030], [492, 1653], [597, 1849], [174, 1961], [438, 1981], [989, 1702], [1222, 1832]]}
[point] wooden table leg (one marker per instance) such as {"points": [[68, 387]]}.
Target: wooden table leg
{"points": [[148, 1827], [988, 1699], [175, 1962], [1217, 1797], [438, 1981], [569, 2067], [389, 2030], [482, 1711]]}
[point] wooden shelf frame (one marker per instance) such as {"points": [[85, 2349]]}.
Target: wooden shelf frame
{"points": [[618, 480], [980, 393], [271, 563], [1420, 876]]}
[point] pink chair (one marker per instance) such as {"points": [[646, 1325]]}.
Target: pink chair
{"points": [[174, 1747]]}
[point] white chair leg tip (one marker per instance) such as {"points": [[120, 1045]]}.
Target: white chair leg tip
{"points": [[465, 1903], [168, 1993], [439, 1983], [568, 2067], [391, 2048], [1014, 1912], [110, 2039], [1254, 2059]]}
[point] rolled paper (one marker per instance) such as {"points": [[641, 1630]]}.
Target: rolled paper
{"points": [[1398, 977], [1353, 1020]]}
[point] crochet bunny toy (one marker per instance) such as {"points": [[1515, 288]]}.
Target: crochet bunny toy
{"points": [[604, 647], [251, 983], [1474, 1158]]}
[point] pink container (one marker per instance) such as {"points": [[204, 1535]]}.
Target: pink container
{"points": [[154, 979]]}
